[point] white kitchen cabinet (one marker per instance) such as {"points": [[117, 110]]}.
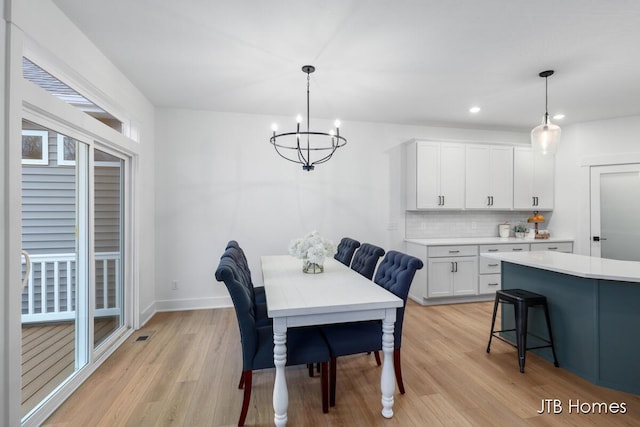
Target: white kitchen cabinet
{"points": [[435, 175], [455, 270], [453, 276], [533, 180], [489, 177]]}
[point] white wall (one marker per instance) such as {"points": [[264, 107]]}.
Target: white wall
{"points": [[218, 178], [610, 141]]}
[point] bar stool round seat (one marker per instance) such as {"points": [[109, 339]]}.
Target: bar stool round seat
{"points": [[522, 300]]}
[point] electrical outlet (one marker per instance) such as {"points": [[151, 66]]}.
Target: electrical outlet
{"points": [[174, 285]]}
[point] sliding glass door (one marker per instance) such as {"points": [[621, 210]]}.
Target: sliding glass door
{"points": [[73, 295]]}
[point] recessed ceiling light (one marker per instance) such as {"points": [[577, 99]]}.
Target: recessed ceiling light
{"points": [[558, 117], [474, 110]]}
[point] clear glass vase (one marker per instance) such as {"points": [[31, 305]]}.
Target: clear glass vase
{"points": [[311, 267]]}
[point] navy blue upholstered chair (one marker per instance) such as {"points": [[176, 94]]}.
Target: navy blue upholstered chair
{"points": [[262, 318], [366, 259], [345, 250], [304, 345], [258, 291], [395, 274]]}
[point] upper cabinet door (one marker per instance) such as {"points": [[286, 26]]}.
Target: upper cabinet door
{"points": [[533, 180], [435, 175], [489, 177], [452, 166], [428, 176]]}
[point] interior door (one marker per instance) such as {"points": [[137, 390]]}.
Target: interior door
{"points": [[615, 209]]}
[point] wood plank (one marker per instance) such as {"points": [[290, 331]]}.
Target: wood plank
{"points": [[187, 374]]}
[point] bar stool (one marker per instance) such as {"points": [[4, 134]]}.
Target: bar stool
{"points": [[521, 301]]}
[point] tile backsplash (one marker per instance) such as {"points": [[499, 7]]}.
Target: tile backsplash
{"points": [[440, 224]]}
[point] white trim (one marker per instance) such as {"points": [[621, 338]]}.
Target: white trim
{"points": [[193, 304], [610, 159], [52, 65]]}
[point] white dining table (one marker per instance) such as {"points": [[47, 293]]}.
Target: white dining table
{"points": [[336, 295]]}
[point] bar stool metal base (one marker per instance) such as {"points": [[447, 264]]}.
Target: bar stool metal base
{"points": [[521, 301]]}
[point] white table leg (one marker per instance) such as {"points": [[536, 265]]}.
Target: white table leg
{"points": [[388, 376], [280, 393]]}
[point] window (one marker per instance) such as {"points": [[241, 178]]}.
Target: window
{"points": [[60, 90], [35, 147]]}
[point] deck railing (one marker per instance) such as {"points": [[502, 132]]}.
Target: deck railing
{"points": [[49, 294]]}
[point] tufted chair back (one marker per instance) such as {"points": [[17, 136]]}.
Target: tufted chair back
{"points": [[345, 250], [240, 260], [395, 274], [366, 259], [233, 278]]}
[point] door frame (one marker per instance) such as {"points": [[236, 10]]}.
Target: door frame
{"points": [[595, 171]]}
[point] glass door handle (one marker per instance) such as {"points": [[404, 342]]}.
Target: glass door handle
{"points": [[27, 273]]}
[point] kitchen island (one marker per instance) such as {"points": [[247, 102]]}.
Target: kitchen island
{"points": [[594, 304]]}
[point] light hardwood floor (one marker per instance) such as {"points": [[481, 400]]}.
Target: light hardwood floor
{"points": [[186, 374]]}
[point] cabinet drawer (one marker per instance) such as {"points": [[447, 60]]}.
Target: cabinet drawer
{"points": [[489, 265], [510, 247], [490, 283], [558, 247], [440, 251]]}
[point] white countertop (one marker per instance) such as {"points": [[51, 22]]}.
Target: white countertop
{"points": [[573, 264], [483, 240]]}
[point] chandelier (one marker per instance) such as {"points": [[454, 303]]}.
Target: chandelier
{"points": [[546, 136], [306, 147]]}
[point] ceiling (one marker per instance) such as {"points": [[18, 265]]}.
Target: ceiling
{"points": [[420, 62]]}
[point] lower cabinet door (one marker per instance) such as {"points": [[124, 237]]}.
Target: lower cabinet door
{"points": [[490, 283], [440, 277], [465, 276]]}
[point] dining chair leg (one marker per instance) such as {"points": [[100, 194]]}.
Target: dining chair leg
{"points": [[241, 384], [324, 366], [398, 369], [248, 377], [310, 367], [377, 355], [332, 381]]}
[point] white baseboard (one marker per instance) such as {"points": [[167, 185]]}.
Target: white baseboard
{"points": [[147, 314], [193, 304]]}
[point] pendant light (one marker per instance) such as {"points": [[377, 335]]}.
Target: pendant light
{"points": [[546, 136]]}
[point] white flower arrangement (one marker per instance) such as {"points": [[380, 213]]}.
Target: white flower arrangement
{"points": [[313, 248]]}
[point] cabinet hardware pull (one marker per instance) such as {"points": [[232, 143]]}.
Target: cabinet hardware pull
{"points": [[516, 249], [442, 200], [456, 263], [492, 250], [491, 200], [493, 265], [452, 266], [453, 252], [554, 248], [492, 284], [488, 200]]}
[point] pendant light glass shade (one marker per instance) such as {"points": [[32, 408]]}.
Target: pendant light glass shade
{"points": [[546, 136]]}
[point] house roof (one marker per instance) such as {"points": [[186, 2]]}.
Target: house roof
{"points": [[407, 62]]}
